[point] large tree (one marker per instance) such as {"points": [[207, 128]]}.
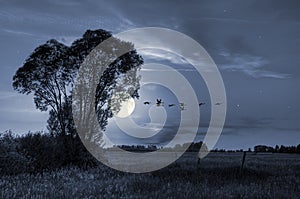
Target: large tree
{"points": [[110, 72], [50, 70], [47, 74]]}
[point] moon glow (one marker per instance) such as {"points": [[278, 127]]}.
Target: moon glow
{"points": [[126, 108]]}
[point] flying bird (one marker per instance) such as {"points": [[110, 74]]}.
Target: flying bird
{"points": [[217, 104], [201, 103], [147, 103], [181, 104], [159, 102], [170, 105]]}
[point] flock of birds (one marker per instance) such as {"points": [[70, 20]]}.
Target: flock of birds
{"points": [[159, 102]]}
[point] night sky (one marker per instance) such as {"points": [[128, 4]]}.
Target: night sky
{"points": [[255, 45]]}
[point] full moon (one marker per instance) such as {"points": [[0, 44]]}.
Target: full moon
{"points": [[126, 108]]}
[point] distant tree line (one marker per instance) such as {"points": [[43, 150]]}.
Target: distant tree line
{"points": [[191, 147], [278, 149], [138, 148], [231, 150], [266, 149]]}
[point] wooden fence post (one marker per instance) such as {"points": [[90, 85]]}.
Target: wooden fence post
{"points": [[243, 162]]}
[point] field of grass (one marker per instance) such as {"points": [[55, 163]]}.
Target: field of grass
{"points": [[217, 176]]}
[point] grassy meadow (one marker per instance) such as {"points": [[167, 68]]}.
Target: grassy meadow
{"points": [[216, 176]]}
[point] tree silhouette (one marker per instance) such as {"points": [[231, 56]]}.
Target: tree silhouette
{"points": [[106, 79], [49, 74], [46, 74]]}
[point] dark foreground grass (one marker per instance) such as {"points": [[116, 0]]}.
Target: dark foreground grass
{"points": [[217, 176]]}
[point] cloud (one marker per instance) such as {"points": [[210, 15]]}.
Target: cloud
{"points": [[19, 110], [250, 65], [19, 32], [4, 95], [66, 3], [161, 55], [66, 40], [232, 20], [50, 19]]}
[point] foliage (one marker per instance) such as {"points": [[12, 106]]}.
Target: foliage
{"points": [[42, 150], [11, 161], [49, 74], [39, 152], [277, 149]]}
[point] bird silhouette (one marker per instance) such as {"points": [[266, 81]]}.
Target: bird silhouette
{"points": [[218, 103], [181, 104], [201, 103], [170, 105], [159, 102], [147, 103]]}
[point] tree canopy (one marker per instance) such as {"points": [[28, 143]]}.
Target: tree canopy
{"points": [[49, 74]]}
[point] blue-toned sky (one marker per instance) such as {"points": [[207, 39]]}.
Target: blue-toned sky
{"points": [[255, 45]]}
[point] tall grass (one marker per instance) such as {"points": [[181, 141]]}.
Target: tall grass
{"points": [[217, 176]]}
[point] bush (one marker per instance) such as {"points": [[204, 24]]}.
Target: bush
{"points": [[42, 150], [11, 162]]}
